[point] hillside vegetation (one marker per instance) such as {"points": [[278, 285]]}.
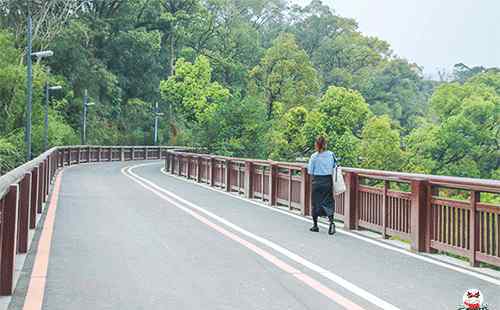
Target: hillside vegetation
{"points": [[248, 78]]}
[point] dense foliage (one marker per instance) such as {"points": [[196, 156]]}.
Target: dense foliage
{"points": [[249, 78]]}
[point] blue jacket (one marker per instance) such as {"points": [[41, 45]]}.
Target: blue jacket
{"points": [[322, 163]]}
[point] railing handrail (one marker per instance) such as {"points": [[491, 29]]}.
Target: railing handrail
{"points": [[18, 173], [430, 219], [484, 185], [24, 192]]}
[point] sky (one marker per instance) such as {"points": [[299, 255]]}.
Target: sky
{"points": [[435, 34]]}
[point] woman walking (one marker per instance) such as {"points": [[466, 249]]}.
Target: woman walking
{"points": [[321, 167]]}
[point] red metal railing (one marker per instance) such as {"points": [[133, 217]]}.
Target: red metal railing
{"points": [[24, 191], [413, 207]]}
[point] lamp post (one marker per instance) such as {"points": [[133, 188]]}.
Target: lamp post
{"points": [[157, 114], [29, 63], [46, 125], [86, 104]]}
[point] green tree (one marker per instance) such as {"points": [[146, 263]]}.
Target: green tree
{"points": [[396, 88], [12, 85], [10, 157], [288, 138], [340, 116], [348, 58], [316, 23], [380, 146], [60, 133], [191, 91], [236, 128], [344, 113], [466, 137], [286, 75]]}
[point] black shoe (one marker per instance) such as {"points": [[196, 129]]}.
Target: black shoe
{"points": [[331, 229], [314, 228]]}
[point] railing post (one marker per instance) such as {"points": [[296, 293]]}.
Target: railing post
{"points": [[431, 191], [419, 215], [385, 205], [180, 158], [44, 197], [99, 154], [176, 166], [8, 241], [47, 181], [272, 185], [110, 154], [132, 156], [44, 175], [122, 154], [248, 179], [40, 189], [145, 153], [35, 181], [78, 159], [351, 201], [89, 155], [474, 228], [212, 171], [44, 180], [23, 211], [51, 168], [227, 177], [290, 176], [172, 163], [305, 192], [55, 168], [198, 169], [68, 161], [188, 169]]}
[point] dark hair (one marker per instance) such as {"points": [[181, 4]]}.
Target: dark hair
{"points": [[320, 144]]}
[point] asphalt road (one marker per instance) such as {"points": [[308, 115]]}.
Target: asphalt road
{"points": [[120, 242]]}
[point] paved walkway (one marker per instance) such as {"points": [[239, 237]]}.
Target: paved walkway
{"points": [[139, 239]]}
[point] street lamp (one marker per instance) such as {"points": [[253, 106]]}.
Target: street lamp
{"points": [[43, 54], [48, 89], [86, 104], [157, 114], [29, 55]]}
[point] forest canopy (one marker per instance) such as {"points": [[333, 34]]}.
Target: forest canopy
{"points": [[249, 78]]}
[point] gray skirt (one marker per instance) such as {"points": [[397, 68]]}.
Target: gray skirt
{"points": [[323, 203]]}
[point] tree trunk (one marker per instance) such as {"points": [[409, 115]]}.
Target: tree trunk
{"points": [[172, 53]]}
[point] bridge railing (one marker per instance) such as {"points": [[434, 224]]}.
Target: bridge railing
{"points": [[433, 213], [24, 192]]}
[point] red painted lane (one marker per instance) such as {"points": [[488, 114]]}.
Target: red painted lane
{"points": [[36, 288]]}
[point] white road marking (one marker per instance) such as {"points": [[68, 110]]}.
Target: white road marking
{"points": [[430, 260], [128, 171]]}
